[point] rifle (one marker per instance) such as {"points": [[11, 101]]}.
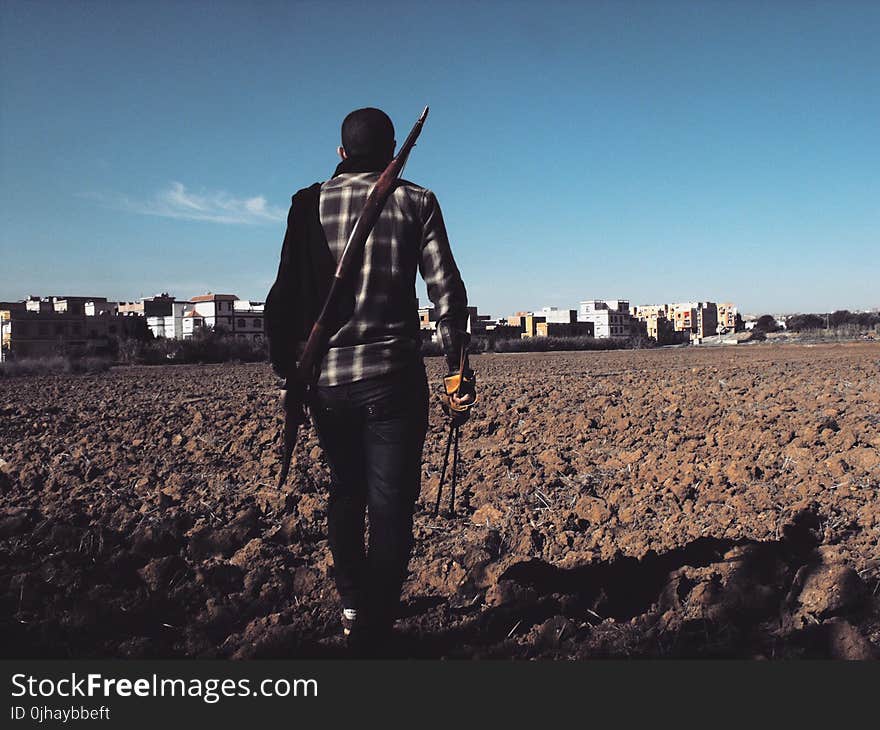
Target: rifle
{"points": [[306, 374]]}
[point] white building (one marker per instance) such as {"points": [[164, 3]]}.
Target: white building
{"points": [[610, 317], [165, 316], [96, 309], [554, 315], [192, 323], [218, 310], [248, 322]]}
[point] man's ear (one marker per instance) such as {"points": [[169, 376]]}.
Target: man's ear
{"points": [[341, 152]]}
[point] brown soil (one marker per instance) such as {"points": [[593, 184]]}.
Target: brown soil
{"points": [[679, 502]]}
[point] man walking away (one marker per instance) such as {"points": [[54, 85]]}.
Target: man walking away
{"points": [[370, 406]]}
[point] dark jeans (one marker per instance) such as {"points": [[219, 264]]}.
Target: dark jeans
{"points": [[372, 432]]}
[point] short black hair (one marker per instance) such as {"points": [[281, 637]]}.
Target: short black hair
{"points": [[368, 131]]}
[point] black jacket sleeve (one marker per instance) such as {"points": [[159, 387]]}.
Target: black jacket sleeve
{"points": [[301, 284], [279, 314]]}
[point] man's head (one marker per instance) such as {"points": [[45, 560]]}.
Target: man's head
{"points": [[367, 133]]}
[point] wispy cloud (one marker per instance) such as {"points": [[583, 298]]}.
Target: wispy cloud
{"points": [[176, 201]]}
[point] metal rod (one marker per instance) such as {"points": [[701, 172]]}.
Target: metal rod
{"points": [[443, 471], [454, 473]]}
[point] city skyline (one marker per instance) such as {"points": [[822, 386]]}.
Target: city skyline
{"points": [[605, 149], [493, 315]]}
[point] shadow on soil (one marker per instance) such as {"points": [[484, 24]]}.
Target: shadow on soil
{"points": [[710, 598]]}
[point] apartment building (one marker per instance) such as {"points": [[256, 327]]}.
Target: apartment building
{"points": [[707, 320], [427, 318], [564, 329], [164, 315], [728, 317], [63, 304], [95, 308], [47, 326], [193, 322], [477, 323], [657, 324], [501, 330], [248, 321], [131, 308], [218, 310], [530, 324], [610, 317], [647, 311], [683, 315], [554, 315]]}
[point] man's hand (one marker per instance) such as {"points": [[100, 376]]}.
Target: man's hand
{"points": [[292, 402], [459, 393]]}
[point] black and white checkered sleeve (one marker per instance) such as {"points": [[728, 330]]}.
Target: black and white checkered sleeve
{"points": [[445, 288]]}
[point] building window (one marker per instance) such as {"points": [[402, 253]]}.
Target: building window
{"points": [[242, 323], [258, 323]]}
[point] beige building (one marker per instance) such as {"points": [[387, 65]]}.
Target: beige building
{"points": [[131, 308], [728, 316], [48, 326], [658, 326], [683, 315], [518, 320], [564, 329], [427, 319], [530, 325], [646, 311], [680, 321]]}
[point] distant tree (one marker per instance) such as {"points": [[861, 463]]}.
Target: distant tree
{"points": [[766, 323], [840, 317], [801, 322], [867, 319]]}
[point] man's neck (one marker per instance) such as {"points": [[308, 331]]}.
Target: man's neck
{"points": [[362, 163]]}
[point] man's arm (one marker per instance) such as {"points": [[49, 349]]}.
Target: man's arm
{"points": [[445, 288]]}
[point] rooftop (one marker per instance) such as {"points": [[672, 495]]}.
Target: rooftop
{"points": [[210, 297]]}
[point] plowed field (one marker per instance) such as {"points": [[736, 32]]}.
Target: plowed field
{"points": [[676, 502]]}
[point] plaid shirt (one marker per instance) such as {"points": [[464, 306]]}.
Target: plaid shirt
{"points": [[383, 333]]}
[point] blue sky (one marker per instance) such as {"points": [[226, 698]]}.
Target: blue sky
{"points": [[651, 150]]}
